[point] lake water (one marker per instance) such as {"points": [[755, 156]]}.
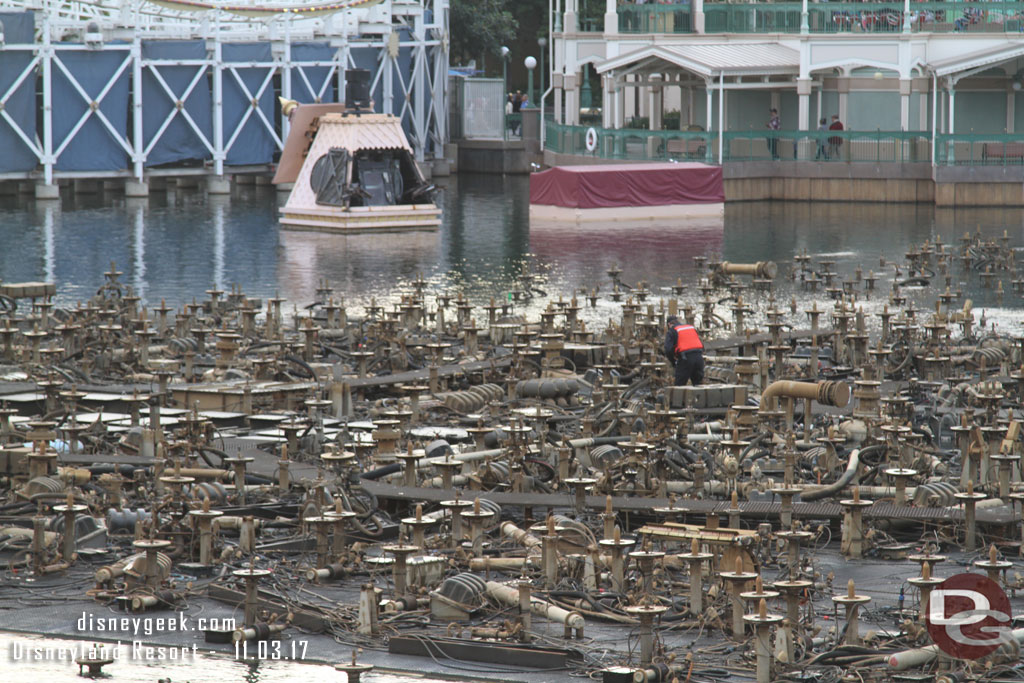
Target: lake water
{"points": [[175, 246]]}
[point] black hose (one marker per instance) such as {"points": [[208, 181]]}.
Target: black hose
{"points": [[382, 471], [845, 478]]}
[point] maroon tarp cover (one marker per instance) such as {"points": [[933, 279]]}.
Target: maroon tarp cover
{"points": [[601, 187]]}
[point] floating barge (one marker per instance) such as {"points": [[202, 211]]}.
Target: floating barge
{"points": [[627, 192], [358, 174]]}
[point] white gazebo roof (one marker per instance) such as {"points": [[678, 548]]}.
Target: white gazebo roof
{"points": [[979, 59], [714, 59]]}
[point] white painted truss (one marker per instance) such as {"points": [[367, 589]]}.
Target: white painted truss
{"points": [[406, 41]]}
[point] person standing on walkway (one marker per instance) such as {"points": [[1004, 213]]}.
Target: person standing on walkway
{"points": [[685, 351], [773, 137], [835, 142], [822, 149]]}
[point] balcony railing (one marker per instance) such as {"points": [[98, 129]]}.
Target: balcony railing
{"points": [[976, 149], [826, 17], [650, 18]]}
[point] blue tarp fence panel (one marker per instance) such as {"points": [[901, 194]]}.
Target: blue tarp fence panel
{"points": [[320, 77], [254, 144], [19, 29], [179, 141], [93, 147]]}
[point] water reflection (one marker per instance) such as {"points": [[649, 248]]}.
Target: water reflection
{"points": [[176, 245]]}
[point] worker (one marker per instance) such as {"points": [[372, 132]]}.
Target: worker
{"points": [[685, 351]]}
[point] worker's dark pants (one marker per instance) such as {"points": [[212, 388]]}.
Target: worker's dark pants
{"points": [[690, 368]]}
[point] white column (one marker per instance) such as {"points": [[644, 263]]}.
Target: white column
{"points": [[576, 98], [1011, 110], [698, 16], [942, 114], [569, 22], [721, 113], [556, 83], [620, 105], [935, 112], [843, 83], [952, 109], [572, 107], [708, 84], [804, 25], [607, 101], [656, 104], [803, 91], [611, 18], [905, 84]]}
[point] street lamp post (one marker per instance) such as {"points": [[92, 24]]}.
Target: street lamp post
{"points": [[504, 89], [542, 42], [530, 63]]}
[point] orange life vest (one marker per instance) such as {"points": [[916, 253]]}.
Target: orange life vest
{"points": [[687, 339]]}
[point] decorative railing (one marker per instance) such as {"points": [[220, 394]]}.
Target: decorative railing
{"points": [[826, 17], [977, 149], [847, 146], [651, 18]]}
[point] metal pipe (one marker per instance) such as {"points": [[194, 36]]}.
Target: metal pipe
{"points": [[910, 659], [826, 392], [762, 269], [510, 597]]}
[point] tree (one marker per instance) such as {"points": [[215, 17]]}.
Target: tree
{"points": [[479, 28]]}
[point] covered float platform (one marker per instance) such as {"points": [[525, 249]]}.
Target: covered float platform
{"points": [[627, 192]]}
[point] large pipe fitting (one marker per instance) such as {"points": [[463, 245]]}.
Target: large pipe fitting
{"points": [[547, 388], [826, 392], [762, 269]]}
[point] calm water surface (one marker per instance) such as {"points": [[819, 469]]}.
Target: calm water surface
{"points": [[178, 245]]}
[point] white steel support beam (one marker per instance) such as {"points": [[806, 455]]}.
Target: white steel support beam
{"points": [[47, 58], [286, 76], [420, 87], [387, 68], [138, 158], [218, 101]]}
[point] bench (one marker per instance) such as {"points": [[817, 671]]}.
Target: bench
{"points": [[1003, 150]]}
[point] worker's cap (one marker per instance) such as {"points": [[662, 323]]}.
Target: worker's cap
{"points": [[672, 320]]}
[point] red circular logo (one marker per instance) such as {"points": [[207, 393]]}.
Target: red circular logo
{"points": [[968, 616]]}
